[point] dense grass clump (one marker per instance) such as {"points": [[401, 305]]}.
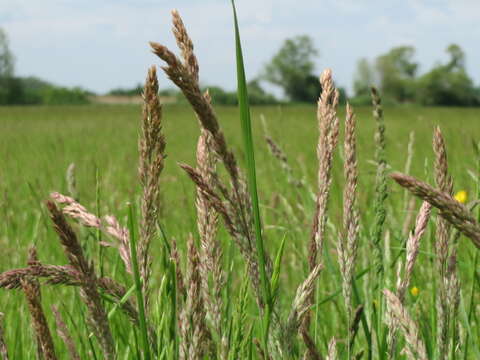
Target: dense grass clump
{"points": [[180, 240]]}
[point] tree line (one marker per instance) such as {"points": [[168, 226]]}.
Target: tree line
{"points": [[16, 90], [291, 69], [394, 73]]}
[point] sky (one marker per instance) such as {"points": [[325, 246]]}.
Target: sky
{"points": [[103, 44]]}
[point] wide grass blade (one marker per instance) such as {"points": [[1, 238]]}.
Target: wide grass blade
{"points": [[251, 175]]}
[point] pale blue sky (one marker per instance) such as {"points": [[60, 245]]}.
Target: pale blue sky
{"points": [[102, 44]]}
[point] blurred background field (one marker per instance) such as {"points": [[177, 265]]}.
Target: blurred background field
{"points": [[37, 144], [68, 102]]}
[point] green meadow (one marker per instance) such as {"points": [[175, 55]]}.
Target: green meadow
{"points": [[37, 144]]}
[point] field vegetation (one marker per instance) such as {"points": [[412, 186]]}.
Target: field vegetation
{"points": [[346, 258]]}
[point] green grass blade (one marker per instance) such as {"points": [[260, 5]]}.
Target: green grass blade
{"points": [[122, 301], [276, 269], [138, 283], [251, 175]]}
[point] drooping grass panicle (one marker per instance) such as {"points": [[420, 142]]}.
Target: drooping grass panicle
{"points": [[415, 348], [185, 77], [31, 288], [233, 225], [122, 235], [3, 345], [151, 162], [75, 210], [34, 299], [88, 289], [450, 209], [301, 303], [67, 275], [109, 224], [68, 239], [185, 44], [412, 250], [65, 335], [54, 274]]}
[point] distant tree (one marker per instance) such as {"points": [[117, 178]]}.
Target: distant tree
{"points": [[256, 95], [137, 90], [364, 78], [7, 61], [457, 57], [396, 71], [448, 84], [292, 69], [34, 89], [221, 97], [65, 96]]}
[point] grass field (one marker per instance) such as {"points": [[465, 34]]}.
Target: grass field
{"points": [[37, 144]]}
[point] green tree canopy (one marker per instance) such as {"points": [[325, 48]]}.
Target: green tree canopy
{"points": [[364, 78], [292, 69], [8, 86], [448, 84], [7, 59], [396, 71], [457, 57]]}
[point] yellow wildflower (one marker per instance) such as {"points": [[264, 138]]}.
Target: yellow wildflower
{"points": [[415, 291], [461, 196]]}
